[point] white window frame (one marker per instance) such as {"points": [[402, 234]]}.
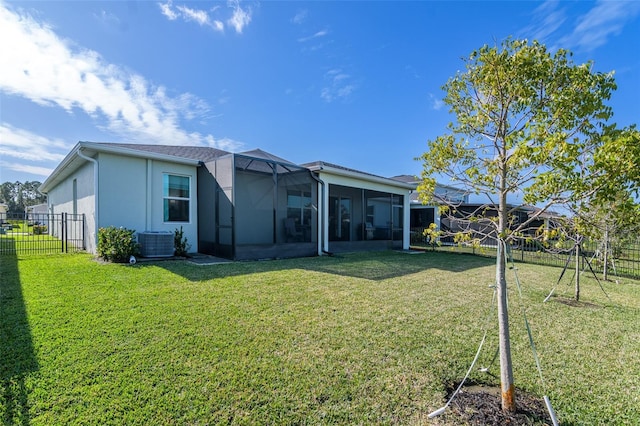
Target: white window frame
{"points": [[166, 196]]}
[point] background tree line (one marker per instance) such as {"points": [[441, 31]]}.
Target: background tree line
{"points": [[20, 195]]}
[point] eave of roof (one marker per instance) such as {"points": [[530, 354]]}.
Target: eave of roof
{"points": [[321, 166], [73, 160]]}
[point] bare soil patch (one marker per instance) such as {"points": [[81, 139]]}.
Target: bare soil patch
{"points": [[479, 404]]}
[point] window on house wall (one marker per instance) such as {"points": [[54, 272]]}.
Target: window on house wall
{"points": [[177, 197]]}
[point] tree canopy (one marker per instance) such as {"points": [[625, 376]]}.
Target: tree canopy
{"points": [[18, 195], [527, 122]]}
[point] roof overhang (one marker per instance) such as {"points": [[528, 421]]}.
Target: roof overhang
{"points": [[73, 160], [320, 167]]}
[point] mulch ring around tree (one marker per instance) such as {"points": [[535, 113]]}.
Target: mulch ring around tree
{"points": [[478, 404]]}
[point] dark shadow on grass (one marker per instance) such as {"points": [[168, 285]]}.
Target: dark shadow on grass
{"points": [[374, 266], [17, 357], [576, 304]]}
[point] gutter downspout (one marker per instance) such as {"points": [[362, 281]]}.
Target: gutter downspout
{"points": [[95, 195]]}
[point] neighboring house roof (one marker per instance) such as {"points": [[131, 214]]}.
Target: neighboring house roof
{"points": [[406, 179], [37, 207], [445, 193]]}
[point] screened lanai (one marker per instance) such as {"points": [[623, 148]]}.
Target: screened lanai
{"points": [[360, 211], [364, 219], [257, 206]]}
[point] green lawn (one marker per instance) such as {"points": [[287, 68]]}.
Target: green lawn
{"points": [[357, 339]]}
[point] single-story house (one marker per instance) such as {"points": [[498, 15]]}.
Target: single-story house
{"points": [[37, 209], [248, 205], [456, 220], [422, 215]]}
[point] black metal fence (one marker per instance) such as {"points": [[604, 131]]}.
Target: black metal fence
{"points": [[41, 233], [622, 259]]}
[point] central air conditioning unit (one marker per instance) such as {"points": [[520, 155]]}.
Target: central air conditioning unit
{"points": [[156, 244]]}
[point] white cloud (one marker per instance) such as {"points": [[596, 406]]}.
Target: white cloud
{"points": [[199, 16], [300, 17], [226, 144], [240, 18], [547, 20], [436, 103], [31, 153], [40, 66], [26, 168], [25, 145], [167, 11], [592, 29], [318, 34], [339, 86], [605, 19]]}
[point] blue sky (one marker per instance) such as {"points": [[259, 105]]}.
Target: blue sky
{"points": [[354, 83]]}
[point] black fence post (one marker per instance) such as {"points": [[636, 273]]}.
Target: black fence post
{"points": [[63, 228]]}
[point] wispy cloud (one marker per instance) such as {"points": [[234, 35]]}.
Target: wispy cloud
{"points": [[199, 16], [318, 34], [167, 10], [25, 148], [589, 31], [339, 86], [436, 103], [300, 17], [40, 66], [547, 19], [239, 17], [604, 20]]}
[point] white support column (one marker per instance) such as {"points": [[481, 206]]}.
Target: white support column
{"points": [[325, 217], [406, 221]]}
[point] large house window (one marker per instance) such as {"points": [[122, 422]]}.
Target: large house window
{"points": [[177, 192]]}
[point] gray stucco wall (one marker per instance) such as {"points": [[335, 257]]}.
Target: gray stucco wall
{"points": [[60, 200]]}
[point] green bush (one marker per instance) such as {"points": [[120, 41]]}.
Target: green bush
{"points": [[180, 243], [39, 229], [117, 244]]}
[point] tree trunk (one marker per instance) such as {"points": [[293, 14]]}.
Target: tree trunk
{"points": [[605, 268], [577, 292], [506, 368]]}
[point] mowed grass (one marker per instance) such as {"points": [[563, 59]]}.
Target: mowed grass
{"points": [[375, 338]]}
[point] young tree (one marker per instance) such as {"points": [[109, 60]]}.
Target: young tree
{"points": [[526, 121]]}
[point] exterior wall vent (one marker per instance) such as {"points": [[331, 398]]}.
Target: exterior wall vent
{"points": [[156, 244]]}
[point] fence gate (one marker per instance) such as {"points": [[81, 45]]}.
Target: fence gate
{"points": [[41, 233]]}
